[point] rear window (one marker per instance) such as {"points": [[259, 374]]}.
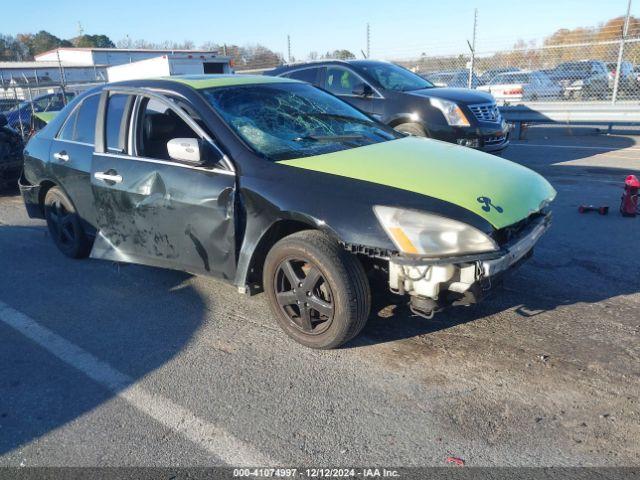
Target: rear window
{"points": [[81, 125], [512, 78], [309, 75], [441, 77]]}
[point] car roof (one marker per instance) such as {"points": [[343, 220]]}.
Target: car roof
{"points": [[327, 61], [225, 80]]}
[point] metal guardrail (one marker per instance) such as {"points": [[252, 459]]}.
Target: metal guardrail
{"points": [[571, 113]]}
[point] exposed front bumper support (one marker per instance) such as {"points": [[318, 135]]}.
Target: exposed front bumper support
{"points": [[460, 280]]}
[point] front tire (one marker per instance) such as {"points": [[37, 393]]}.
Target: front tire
{"points": [[317, 291], [411, 129], [64, 224]]}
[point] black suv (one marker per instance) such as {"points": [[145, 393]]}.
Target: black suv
{"points": [[408, 102]]}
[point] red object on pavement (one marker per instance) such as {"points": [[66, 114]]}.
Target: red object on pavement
{"points": [[629, 200], [456, 460]]}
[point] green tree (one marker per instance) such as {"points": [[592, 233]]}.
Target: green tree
{"points": [[342, 55], [93, 41], [11, 49], [44, 41]]}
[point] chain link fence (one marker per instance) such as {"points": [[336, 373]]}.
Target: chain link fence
{"points": [[576, 67], [607, 70], [21, 102], [574, 72], [584, 65]]}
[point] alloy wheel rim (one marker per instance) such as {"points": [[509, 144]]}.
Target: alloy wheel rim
{"points": [[304, 296], [61, 222]]}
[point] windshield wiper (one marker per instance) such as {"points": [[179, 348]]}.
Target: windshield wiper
{"points": [[329, 138]]}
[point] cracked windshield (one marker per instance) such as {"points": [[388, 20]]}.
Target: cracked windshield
{"points": [[291, 120]]}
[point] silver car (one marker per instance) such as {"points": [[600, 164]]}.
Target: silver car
{"points": [[522, 86]]}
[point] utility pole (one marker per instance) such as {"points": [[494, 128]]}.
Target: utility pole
{"points": [[625, 32], [368, 41], [289, 48], [63, 79], [472, 47]]}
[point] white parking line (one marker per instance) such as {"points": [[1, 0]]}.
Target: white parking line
{"points": [[585, 147], [215, 440]]}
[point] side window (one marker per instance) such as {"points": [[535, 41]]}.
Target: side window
{"points": [[117, 122], [340, 81], [86, 121], [55, 103], [157, 124], [69, 127], [309, 75]]}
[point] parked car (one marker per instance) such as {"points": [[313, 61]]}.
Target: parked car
{"points": [[270, 183], [10, 154], [522, 86], [490, 74], [582, 80], [408, 102], [19, 118], [7, 103], [453, 79], [627, 80]]}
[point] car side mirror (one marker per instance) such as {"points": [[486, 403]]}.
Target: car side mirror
{"points": [[362, 90], [193, 150], [3, 120]]}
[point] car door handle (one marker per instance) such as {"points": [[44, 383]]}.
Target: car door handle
{"points": [[108, 177], [62, 156]]}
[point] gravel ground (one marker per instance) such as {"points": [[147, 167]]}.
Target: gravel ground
{"points": [[546, 372]]}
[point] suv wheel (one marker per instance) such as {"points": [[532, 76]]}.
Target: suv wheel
{"points": [[64, 224], [411, 129], [317, 291]]}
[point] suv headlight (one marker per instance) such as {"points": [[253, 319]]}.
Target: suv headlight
{"points": [[451, 111], [420, 233]]}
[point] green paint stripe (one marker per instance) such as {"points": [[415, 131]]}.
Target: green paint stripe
{"points": [[441, 170], [216, 80]]}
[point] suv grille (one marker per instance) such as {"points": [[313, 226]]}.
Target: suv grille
{"points": [[497, 140], [486, 112]]}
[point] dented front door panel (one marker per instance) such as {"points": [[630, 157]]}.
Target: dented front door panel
{"points": [[163, 214]]}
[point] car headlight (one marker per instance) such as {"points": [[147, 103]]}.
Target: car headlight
{"points": [[420, 233], [451, 111]]}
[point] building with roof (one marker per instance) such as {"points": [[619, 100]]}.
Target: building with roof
{"points": [[87, 65], [111, 56]]}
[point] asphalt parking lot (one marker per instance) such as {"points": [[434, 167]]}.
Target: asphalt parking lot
{"points": [[107, 364]]}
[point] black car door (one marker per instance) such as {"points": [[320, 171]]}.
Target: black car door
{"points": [[71, 151], [152, 209], [342, 81]]}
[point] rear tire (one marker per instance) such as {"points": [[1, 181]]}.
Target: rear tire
{"points": [[64, 224], [306, 270], [411, 129]]}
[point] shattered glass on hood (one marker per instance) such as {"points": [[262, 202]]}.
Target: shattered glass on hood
{"points": [[291, 120]]}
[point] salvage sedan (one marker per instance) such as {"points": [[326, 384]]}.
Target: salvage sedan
{"points": [[272, 184]]}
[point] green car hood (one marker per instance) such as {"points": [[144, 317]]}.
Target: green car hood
{"points": [[500, 191], [46, 117]]}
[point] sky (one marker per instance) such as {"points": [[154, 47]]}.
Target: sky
{"points": [[398, 28]]}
